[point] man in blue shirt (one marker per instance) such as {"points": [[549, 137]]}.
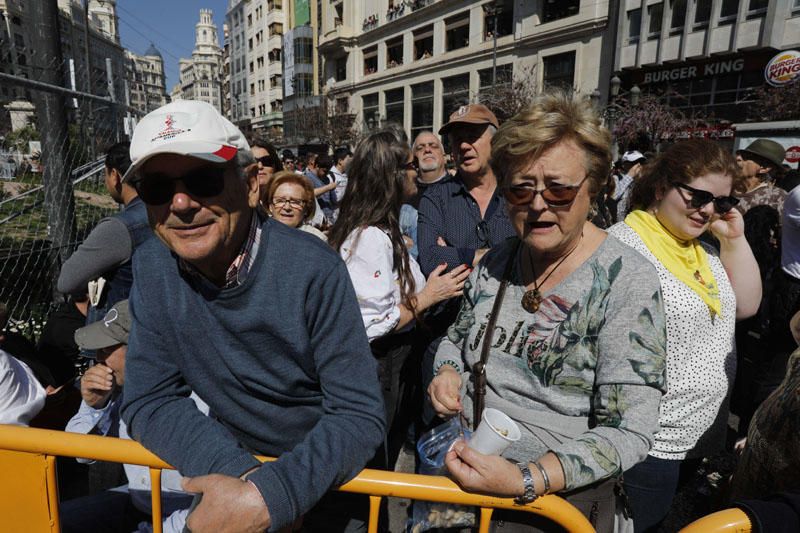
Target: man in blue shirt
{"points": [[260, 320], [464, 216]]}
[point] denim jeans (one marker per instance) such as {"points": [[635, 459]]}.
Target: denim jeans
{"points": [[651, 486]]}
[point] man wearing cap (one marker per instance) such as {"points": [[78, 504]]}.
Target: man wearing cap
{"points": [[122, 508], [631, 166], [107, 250], [259, 320], [464, 216], [760, 163]]}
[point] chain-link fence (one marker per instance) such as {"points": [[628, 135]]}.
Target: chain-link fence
{"points": [[53, 134]]}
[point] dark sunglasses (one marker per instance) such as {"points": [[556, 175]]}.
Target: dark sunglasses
{"points": [[554, 195], [266, 161], [412, 165], [158, 189], [701, 198]]}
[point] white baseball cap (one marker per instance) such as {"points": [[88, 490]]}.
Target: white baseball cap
{"points": [[630, 157], [185, 127]]}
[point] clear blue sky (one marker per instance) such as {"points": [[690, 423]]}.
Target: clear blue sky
{"points": [[169, 24]]}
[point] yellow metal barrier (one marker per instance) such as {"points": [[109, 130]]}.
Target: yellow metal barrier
{"points": [[727, 521], [32, 506]]}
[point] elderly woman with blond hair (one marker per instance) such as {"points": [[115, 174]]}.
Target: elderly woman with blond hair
{"points": [[562, 327], [290, 200]]}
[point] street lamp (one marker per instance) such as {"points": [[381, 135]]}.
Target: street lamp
{"points": [[595, 98], [613, 109], [493, 10]]}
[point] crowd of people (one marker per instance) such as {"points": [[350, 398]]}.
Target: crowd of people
{"points": [[603, 306]]}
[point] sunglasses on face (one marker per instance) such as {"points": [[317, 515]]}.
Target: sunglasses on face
{"points": [[266, 161], [554, 195], [158, 189], [701, 198], [412, 165]]}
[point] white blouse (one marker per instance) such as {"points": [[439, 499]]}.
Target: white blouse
{"points": [[701, 359], [21, 395], [368, 256]]}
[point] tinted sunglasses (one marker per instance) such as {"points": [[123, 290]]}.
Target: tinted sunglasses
{"points": [[158, 189], [267, 161], [412, 165], [554, 195], [701, 198]]}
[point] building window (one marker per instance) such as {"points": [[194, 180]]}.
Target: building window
{"points": [[559, 9], [303, 50], [702, 14], [729, 11], [340, 68], [655, 13], [370, 60], [421, 108], [252, 68], [394, 105], [276, 28], [505, 20], [249, 20], [260, 62], [394, 52], [757, 7], [275, 81], [274, 55], [455, 93], [678, 16], [795, 5], [634, 25], [252, 89], [457, 32], [341, 105], [559, 70], [370, 111], [250, 43], [423, 43], [304, 84], [503, 77]]}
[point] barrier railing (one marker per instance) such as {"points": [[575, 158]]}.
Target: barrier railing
{"points": [[29, 454], [726, 521]]}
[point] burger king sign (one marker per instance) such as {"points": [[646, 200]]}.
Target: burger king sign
{"points": [[783, 69]]}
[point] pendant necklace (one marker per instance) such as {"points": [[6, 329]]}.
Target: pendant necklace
{"points": [[532, 298]]}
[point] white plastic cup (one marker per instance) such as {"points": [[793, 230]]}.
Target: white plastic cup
{"points": [[495, 433]]}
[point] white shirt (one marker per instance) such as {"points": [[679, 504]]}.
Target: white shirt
{"points": [[21, 395], [701, 359], [341, 183], [368, 256], [790, 234]]}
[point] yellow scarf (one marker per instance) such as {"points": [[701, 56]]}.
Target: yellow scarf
{"points": [[686, 260]]}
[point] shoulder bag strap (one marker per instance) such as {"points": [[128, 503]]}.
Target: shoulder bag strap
{"points": [[479, 368]]}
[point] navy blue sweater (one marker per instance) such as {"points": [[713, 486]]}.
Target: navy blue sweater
{"points": [[282, 360]]}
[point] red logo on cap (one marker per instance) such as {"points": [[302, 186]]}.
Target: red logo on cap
{"points": [[169, 131]]}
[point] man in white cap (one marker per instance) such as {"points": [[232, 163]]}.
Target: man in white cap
{"points": [[260, 320], [632, 162]]}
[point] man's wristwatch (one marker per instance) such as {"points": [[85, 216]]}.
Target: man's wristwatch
{"points": [[527, 481]]}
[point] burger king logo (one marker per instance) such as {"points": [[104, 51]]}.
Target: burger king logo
{"points": [[783, 69]]}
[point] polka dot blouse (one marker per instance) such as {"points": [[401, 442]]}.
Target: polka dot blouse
{"points": [[701, 360]]}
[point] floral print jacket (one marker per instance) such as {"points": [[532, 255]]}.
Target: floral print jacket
{"points": [[582, 376]]}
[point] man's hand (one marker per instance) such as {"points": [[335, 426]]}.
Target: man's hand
{"points": [[96, 386], [487, 474], [229, 505]]}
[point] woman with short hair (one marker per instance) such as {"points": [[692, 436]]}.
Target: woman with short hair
{"points": [[290, 199], [685, 192], [566, 324]]}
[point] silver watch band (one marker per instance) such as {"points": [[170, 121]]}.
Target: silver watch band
{"points": [[527, 481]]}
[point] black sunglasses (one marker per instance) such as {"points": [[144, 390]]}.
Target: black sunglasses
{"points": [[267, 161], [158, 189], [412, 165], [554, 195], [701, 198]]}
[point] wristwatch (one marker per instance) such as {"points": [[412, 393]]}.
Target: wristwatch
{"points": [[527, 480]]}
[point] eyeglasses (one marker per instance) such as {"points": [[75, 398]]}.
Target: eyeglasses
{"points": [[412, 165], [701, 198], [158, 189], [266, 161], [554, 195], [294, 204]]}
